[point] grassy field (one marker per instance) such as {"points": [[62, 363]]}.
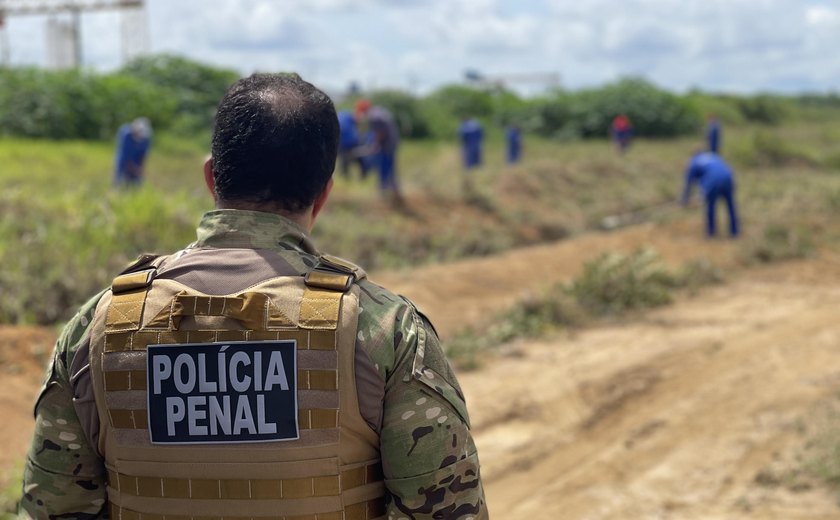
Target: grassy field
{"points": [[65, 231]]}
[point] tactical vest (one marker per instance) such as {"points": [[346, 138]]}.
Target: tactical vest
{"points": [[327, 468]]}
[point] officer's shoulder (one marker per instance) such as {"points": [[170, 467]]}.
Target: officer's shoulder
{"points": [[373, 293]]}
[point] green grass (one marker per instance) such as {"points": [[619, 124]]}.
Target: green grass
{"points": [[66, 232], [10, 494], [816, 462]]}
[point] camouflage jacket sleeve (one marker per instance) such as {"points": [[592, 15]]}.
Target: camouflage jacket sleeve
{"points": [[428, 455], [64, 476]]}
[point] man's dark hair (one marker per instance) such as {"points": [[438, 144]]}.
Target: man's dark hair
{"points": [[275, 142]]}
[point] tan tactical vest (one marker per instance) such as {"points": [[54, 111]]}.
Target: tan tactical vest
{"points": [[331, 471]]}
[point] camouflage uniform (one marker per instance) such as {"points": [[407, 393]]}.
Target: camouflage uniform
{"points": [[428, 455]]}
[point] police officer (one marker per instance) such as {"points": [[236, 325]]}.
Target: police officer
{"points": [[248, 375]]}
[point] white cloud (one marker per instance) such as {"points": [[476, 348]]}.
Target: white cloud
{"points": [[744, 45]]}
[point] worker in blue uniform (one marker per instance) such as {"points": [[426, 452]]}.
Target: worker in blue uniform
{"points": [[350, 144], [472, 136], [133, 142], [513, 138], [716, 180], [380, 148], [713, 133]]}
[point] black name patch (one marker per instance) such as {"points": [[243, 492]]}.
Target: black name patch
{"points": [[222, 392]]}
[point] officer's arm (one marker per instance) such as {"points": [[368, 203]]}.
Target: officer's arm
{"points": [[429, 457], [63, 476]]}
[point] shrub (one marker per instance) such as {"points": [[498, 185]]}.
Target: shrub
{"points": [[614, 283], [589, 113], [533, 316], [194, 87], [81, 104], [764, 108], [766, 148], [779, 242], [75, 103], [460, 101], [610, 285]]}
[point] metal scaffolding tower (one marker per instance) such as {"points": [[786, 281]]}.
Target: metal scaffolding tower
{"points": [[64, 38]]}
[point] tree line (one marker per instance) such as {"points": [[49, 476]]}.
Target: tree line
{"points": [[180, 96]]}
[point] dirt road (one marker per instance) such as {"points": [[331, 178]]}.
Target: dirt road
{"points": [[680, 414], [685, 414]]}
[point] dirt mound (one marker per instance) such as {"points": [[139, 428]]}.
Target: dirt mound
{"points": [[25, 350]]}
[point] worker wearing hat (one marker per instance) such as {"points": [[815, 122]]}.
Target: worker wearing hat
{"points": [[133, 142], [382, 148]]}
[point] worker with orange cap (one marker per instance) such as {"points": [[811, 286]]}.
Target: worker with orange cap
{"points": [[622, 132]]}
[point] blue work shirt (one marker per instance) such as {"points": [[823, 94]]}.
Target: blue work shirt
{"points": [[471, 137], [349, 136], [129, 149], [708, 170]]}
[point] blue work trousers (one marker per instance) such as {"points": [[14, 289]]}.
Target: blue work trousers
{"points": [[724, 190], [386, 164]]}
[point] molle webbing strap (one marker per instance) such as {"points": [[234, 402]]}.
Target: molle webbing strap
{"points": [[254, 489], [370, 510], [253, 309], [306, 339], [325, 285], [319, 309], [128, 300]]}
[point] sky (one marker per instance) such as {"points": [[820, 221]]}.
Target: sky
{"points": [[741, 46]]}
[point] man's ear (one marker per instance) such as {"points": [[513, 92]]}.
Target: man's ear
{"points": [[209, 179], [321, 199]]}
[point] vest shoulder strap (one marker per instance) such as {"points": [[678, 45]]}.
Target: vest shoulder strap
{"points": [[334, 274], [138, 275], [129, 294]]}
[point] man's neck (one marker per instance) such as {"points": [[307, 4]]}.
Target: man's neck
{"points": [[303, 219]]}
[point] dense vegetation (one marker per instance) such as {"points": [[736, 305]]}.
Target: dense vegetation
{"points": [[180, 96], [175, 93]]}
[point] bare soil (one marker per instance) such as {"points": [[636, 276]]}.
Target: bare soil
{"points": [[679, 413]]}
